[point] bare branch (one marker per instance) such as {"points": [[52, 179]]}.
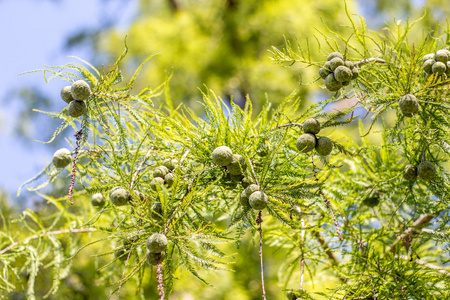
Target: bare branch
{"points": [[412, 231], [369, 60], [428, 265]]}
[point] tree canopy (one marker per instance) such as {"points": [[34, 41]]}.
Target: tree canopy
{"points": [[286, 194]]}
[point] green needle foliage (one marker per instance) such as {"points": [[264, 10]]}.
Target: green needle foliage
{"points": [[349, 215]]}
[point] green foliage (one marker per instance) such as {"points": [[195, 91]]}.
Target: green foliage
{"points": [[224, 46], [319, 211]]}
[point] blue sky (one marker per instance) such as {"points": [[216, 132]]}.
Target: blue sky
{"points": [[32, 35]]}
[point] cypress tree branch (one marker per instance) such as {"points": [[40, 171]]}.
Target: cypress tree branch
{"points": [[288, 125], [78, 136], [141, 166], [111, 96], [412, 231], [327, 202], [302, 262], [124, 268], [159, 277], [188, 189], [428, 265], [331, 256], [259, 221], [253, 171], [36, 236], [369, 60]]}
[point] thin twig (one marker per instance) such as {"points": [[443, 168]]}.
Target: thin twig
{"points": [[178, 206], [159, 277], [331, 256], [133, 181], [411, 232], [159, 274], [259, 220], [111, 96], [139, 169], [124, 268], [369, 60], [327, 202], [253, 172], [282, 126], [78, 136], [302, 261], [428, 265], [288, 125], [36, 236]]}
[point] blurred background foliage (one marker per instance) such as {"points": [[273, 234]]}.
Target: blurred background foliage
{"points": [[223, 45]]}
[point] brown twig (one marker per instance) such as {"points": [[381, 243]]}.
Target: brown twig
{"points": [[412, 231], [428, 265], [259, 220], [369, 60], [288, 125], [331, 256], [78, 136], [159, 274], [327, 202], [36, 236], [159, 277], [174, 5]]}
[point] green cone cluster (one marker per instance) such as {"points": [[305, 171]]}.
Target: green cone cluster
{"points": [[222, 156], [162, 175], [253, 197], [61, 158], [372, 200], [308, 140], [408, 105], [119, 196], [156, 246], [75, 95], [123, 252], [235, 164], [98, 200], [337, 72], [156, 211], [425, 171], [263, 149], [437, 63]]}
